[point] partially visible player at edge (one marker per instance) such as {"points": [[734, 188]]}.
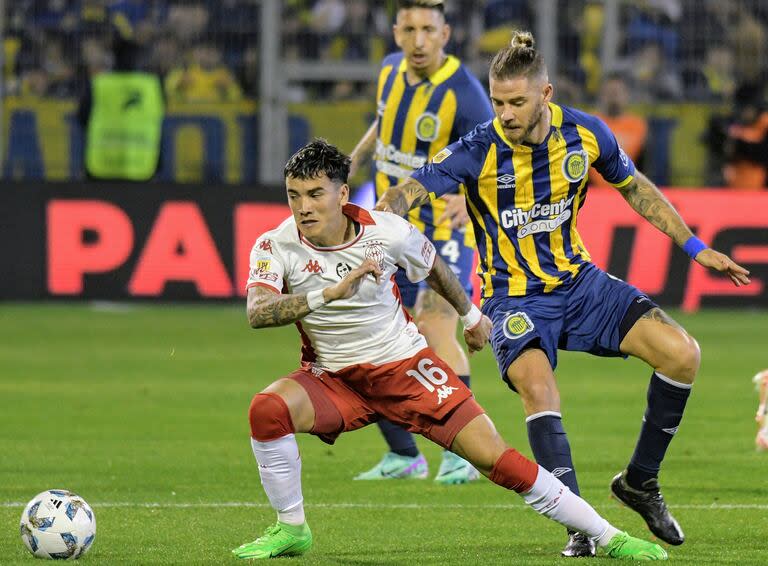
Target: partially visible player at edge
{"points": [[525, 174], [761, 439], [362, 356], [425, 100]]}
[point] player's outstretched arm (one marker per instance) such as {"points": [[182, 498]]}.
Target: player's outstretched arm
{"points": [[268, 308], [646, 198], [477, 327], [364, 149], [404, 196]]}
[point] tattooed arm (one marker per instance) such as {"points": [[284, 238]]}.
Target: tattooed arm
{"points": [[267, 308], [401, 198], [646, 198], [445, 283], [651, 204]]}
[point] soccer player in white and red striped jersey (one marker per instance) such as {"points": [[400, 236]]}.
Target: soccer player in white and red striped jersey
{"points": [[330, 270]]}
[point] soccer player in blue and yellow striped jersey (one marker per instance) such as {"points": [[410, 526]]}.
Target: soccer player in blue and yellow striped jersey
{"points": [[525, 174], [426, 99]]}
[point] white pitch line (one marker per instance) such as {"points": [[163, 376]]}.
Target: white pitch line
{"points": [[246, 504]]}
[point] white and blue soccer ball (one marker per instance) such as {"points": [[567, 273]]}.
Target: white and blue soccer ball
{"points": [[57, 524]]}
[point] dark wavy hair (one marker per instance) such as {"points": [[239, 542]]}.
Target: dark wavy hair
{"points": [[318, 158]]}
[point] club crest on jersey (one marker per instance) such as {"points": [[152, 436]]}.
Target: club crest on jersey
{"points": [[427, 250], [342, 269], [442, 155], [375, 252], [427, 127], [313, 266], [575, 165], [517, 325]]}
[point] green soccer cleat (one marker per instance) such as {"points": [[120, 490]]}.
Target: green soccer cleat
{"points": [[455, 470], [624, 547], [278, 540], [393, 466]]}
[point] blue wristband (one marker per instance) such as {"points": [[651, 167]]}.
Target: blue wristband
{"points": [[693, 246]]}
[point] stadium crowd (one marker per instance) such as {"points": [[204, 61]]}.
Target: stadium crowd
{"points": [[206, 51]]}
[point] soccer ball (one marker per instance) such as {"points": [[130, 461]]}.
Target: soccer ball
{"points": [[59, 525]]}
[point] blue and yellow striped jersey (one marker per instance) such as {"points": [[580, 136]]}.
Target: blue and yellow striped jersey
{"points": [[417, 121], [524, 199]]}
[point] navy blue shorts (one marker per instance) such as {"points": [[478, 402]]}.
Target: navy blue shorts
{"points": [[591, 314], [453, 252]]}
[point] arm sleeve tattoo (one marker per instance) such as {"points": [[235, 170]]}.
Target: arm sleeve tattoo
{"points": [[444, 282], [266, 308], [648, 201], [404, 196]]}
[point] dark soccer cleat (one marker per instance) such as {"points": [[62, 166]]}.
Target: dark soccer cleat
{"points": [[649, 503], [579, 546]]}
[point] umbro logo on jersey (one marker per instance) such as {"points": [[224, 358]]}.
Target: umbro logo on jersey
{"points": [[670, 431], [557, 472], [313, 267], [506, 181]]}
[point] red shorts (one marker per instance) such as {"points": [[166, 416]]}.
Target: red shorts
{"points": [[421, 393]]}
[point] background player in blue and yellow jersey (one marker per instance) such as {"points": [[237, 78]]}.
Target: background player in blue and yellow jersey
{"points": [[425, 100], [525, 174]]}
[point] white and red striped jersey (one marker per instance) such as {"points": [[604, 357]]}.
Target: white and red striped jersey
{"points": [[370, 327]]}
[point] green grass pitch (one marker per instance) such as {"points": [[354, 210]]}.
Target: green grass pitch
{"points": [[142, 411]]}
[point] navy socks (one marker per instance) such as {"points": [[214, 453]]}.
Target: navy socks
{"points": [[551, 448], [666, 403]]}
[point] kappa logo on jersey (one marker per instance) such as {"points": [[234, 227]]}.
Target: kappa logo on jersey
{"points": [[266, 245], [575, 165], [313, 266], [427, 250], [342, 270], [375, 252], [381, 107], [427, 127], [444, 392], [506, 181], [442, 155], [517, 325]]}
